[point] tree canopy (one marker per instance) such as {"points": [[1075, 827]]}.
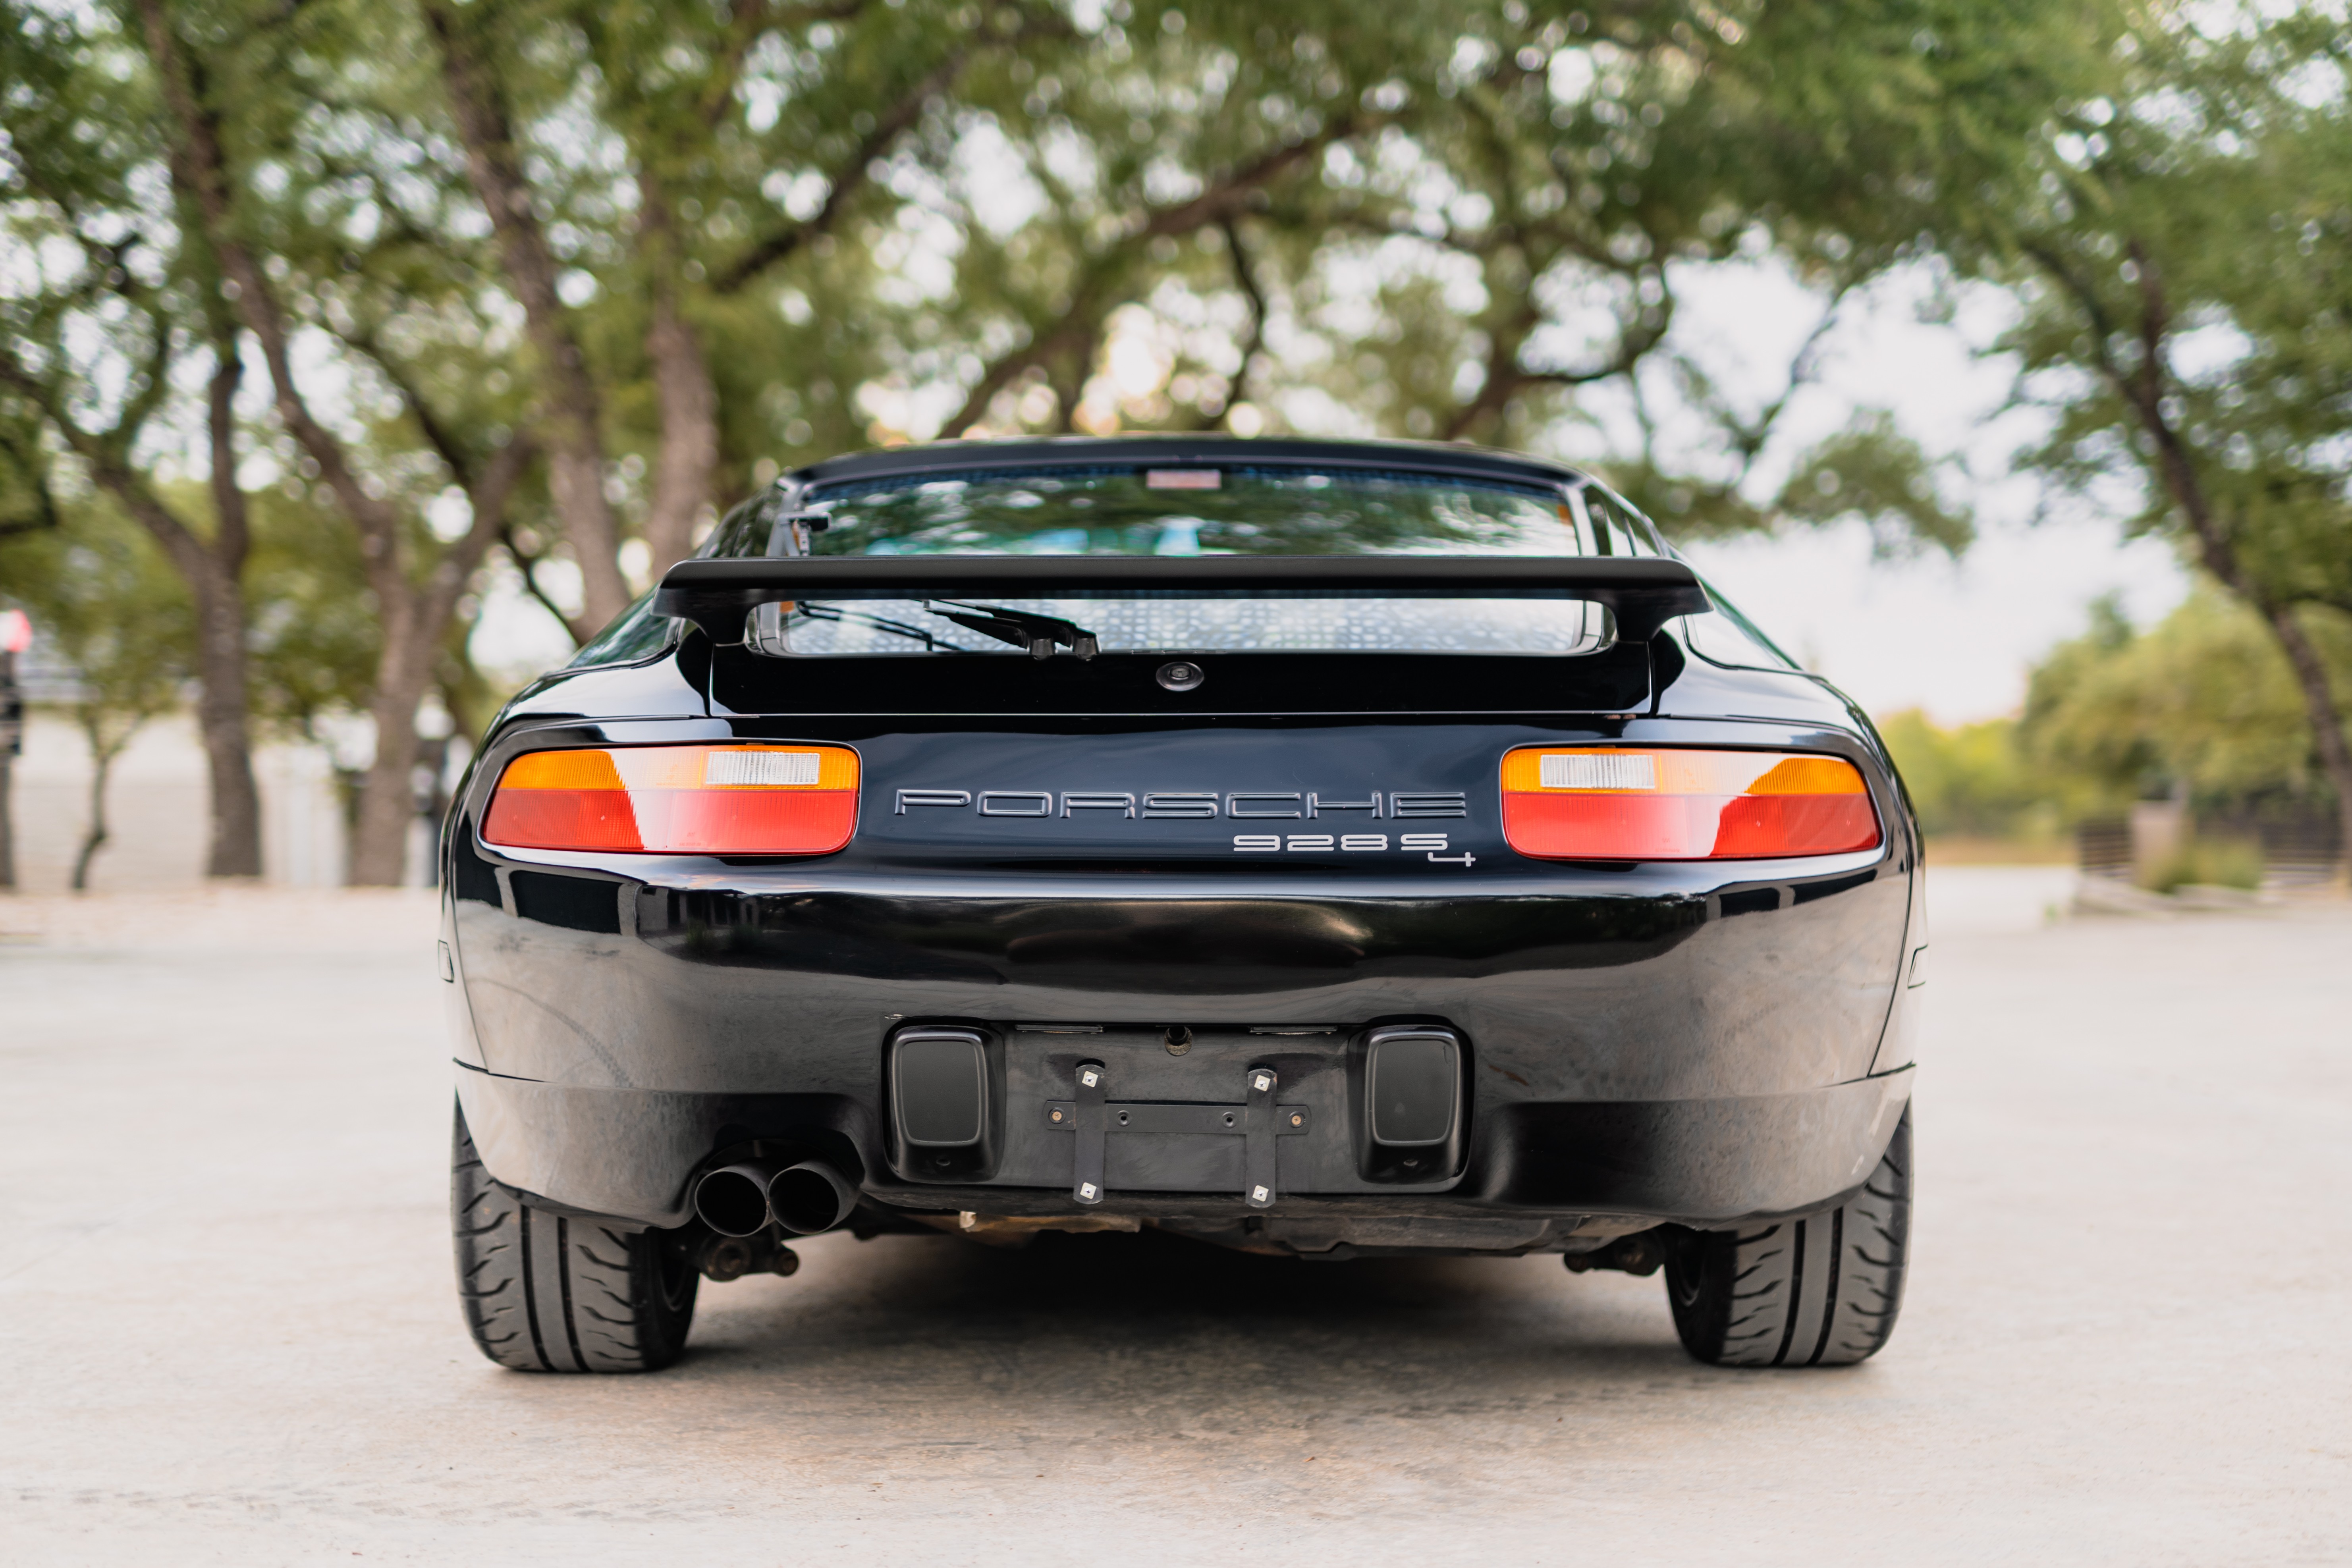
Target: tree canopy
{"points": [[551, 284]]}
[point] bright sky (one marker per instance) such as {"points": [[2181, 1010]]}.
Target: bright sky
{"points": [[1955, 637]]}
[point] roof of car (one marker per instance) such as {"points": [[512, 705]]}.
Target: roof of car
{"points": [[1205, 450]]}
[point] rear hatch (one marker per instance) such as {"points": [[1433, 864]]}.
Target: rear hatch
{"points": [[1368, 756]]}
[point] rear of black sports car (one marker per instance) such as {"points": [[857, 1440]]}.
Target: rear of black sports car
{"points": [[1315, 849]]}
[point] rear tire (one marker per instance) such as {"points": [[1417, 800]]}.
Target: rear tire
{"points": [[555, 1292], [1818, 1290]]}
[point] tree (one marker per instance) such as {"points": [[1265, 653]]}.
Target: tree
{"points": [[27, 506], [93, 345], [1467, 221], [102, 594], [560, 278], [416, 578], [2205, 702], [2180, 243], [1971, 779]]}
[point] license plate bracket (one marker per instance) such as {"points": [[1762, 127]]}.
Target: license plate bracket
{"points": [[1093, 1117]]}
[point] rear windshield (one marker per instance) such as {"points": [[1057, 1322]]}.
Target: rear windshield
{"points": [[1236, 511], [1198, 512], [1243, 511]]}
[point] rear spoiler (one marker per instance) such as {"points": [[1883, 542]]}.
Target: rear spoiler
{"points": [[1644, 593]]}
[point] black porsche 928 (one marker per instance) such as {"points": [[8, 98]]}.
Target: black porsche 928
{"points": [[1318, 849]]}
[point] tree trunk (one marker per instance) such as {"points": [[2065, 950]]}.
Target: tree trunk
{"points": [[11, 728], [7, 824], [387, 797], [2143, 387], [219, 590], [221, 718], [687, 462], [101, 756], [2216, 552], [212, 572], [387, 800], [414, 619], [575, 440], [2327, 719]]}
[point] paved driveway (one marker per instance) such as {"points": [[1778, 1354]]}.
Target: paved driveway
{"points": [[227, 1329]]}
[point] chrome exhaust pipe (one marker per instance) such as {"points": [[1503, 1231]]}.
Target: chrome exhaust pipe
{"points": [[809, 1197], [733, 1199]]}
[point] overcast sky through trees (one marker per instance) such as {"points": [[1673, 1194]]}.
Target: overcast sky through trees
{"points": [[1955, 637]]}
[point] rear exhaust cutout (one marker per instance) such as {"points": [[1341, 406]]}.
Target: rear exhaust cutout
{"points": [[809, 1197], [733, 1199]]}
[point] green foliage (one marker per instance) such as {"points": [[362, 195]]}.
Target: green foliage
{"points": [[2210, 862], [2204, 700], [103, 598], [2177, 239], [2183, 272], [314, 639], [2202, 703], [108, 604], [1872, 473], [1464, 220], [1970, 780], [26, 501]]}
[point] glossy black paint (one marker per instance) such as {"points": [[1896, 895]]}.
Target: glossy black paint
{"points": [[1644, 592], [1207, 449], [1729, 1013], [1700, 1042], [1613, 680]]}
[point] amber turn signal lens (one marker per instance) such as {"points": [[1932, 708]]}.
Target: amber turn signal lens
{"points": [[1665, 803], [678, 800]]}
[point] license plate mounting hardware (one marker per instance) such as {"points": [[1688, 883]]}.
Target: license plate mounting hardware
{"points": [[1258, 1121]]}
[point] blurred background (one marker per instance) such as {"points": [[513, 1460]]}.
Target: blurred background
{"points": [[359, 360]]}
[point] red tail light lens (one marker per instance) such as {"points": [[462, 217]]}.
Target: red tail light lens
{"points": [[1614, 803], [678, 800]]}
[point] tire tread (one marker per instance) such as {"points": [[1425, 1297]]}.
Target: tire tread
{"points": [[554, 1292], [1747, 1298]]}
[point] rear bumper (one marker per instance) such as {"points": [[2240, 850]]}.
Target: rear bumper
{"points": [[1667, 1043], [630, 1152]]}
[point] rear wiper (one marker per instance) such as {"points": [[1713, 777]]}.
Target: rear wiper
{"points": [[1022, 628], [880, 623]]}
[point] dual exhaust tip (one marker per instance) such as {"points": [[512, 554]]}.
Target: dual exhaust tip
{"points": [[744, 1199]]}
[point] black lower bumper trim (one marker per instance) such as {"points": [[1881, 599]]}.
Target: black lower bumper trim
{"points": [[632, 1152]]}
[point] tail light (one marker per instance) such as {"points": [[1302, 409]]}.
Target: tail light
{"points": [[1668, 804], [678, 800]]}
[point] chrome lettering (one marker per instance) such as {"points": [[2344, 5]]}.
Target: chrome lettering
{"points": [[989, 807], [1233, 804], [1122, 804], [908, 797], [1181, 803]]}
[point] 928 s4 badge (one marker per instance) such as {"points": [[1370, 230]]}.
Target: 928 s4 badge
{"points": [[1242, 805], [1434, 845]]}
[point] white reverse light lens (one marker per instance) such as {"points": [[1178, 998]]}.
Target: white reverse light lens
{"points": [[767, 768], [1585, 772]]}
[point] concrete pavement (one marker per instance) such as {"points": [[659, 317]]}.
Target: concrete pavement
{"points": [[228, 1332]]}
